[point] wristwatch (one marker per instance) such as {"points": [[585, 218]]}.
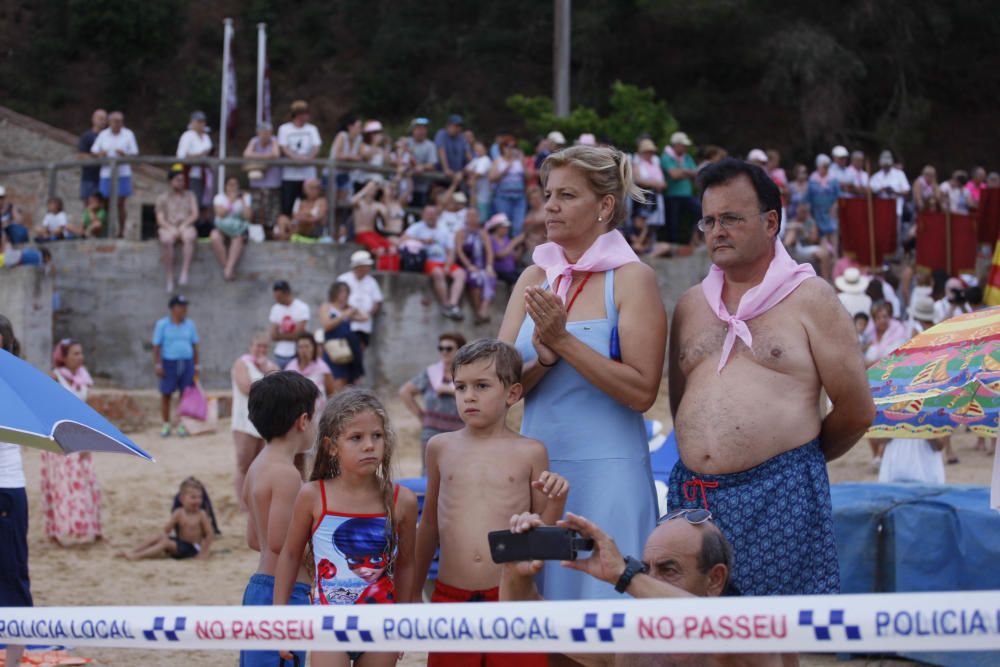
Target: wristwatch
{"points": [[633, 566]]}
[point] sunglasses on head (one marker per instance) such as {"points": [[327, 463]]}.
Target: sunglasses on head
{"points": [[446, 348], [694, 516]]}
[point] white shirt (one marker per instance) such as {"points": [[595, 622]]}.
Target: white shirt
{"points": [[839, 174], [856, 177], [895, 180], [11, 469], [55, 221], [286, 317], [958, 198], [945, 310], [301, 141], [365, 293], [235, 207], [450, 222], [115, 145], [192, 143], [856, 302]]}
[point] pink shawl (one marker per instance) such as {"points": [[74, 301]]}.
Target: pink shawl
{"points": [[781, 279], [435, 373], [609, 251], [77, 381]]}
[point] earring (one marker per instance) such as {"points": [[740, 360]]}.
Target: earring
{"points": [[599, 219]]}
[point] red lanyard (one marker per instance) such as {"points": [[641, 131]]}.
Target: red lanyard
{"points": [[579, 289]]}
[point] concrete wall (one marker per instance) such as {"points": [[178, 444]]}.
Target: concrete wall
{"points": [[24, 139], [110, 294], [26, 299]]}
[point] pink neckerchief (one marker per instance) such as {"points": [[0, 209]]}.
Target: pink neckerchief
{"points": [[781, 279], [435, 373], [609, 251], [78, 380]]}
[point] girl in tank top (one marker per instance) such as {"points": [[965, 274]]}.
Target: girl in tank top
{"points": [[356, 528]]}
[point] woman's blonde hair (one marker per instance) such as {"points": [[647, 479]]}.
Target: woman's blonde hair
{"points": [[608, 171], [340, 410]]}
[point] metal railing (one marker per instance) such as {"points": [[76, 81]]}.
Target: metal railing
{"points": [[331, 165]]}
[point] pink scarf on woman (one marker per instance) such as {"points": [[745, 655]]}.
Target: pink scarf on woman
{"points": [[78, 380], [781, 279], [609, 251], [435, 373]]}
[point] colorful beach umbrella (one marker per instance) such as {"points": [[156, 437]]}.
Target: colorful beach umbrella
{"points": [[36, 411], [943, 378]]}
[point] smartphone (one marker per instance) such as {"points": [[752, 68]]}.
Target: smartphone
{"points": [[543, 543]]}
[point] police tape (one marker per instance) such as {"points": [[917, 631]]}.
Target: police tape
{"points": [[963, 621]]}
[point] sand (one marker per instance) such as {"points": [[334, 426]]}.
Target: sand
{"points": [[137, 497]]}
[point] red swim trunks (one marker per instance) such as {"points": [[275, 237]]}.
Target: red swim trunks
{"points": [[445, 593], [375, 242]]}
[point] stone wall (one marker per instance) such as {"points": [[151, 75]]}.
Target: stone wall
{"points": [[110, 294], [26, 299], [26, 140]]}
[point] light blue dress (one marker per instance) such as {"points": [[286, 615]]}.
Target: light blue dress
{"points": [[596, 443]]}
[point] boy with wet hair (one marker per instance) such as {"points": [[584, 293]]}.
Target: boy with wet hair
{"points": [[477, 478]]}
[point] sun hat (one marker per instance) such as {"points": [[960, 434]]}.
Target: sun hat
{"points": [[498, 220], [361, 258], [852, 281], [757, 155], [647, 146], [839, 151], [923, 309], [557, 137], [822, 159], [372, 126], [680, 138]]}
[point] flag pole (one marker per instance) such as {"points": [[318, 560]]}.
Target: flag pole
{"points": [[947, 236], [261, 58], [871, 217], [223, 107]]}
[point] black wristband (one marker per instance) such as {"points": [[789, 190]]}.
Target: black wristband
{"points": [[545, 365], [633, 566]]}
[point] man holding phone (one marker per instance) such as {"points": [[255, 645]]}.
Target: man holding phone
{"points": [[685, 556]]}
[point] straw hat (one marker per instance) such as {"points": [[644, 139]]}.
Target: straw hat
{"points": [[852, 281], [647, 146]]}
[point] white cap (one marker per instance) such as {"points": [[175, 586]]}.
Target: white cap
{"points": [[556, 137], [361, 258], [756, 155], [822, 159], [586, 139], [680, 138], [840, 151]]}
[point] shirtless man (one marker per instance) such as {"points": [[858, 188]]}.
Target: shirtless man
{"points": [[366, 210], [477, 478], [745, 391], [685, 556]]}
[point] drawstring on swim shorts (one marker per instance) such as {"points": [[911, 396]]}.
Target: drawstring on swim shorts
{"points": [[690, 493]]}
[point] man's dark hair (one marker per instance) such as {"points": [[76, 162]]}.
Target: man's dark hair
{"points": [[715, 549], [277, 400], [727, 169], [9, 342]]}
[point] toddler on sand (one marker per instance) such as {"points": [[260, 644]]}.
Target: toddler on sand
{"points": [[188, 533]]}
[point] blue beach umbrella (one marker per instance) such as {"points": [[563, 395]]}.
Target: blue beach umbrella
{"points": [[36, 411]]}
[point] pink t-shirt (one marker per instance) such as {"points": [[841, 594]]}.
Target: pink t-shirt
{"points": [[650, 170], [975, 191]]}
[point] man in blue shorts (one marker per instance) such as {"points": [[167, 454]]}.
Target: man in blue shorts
{"points": [[116, 141], [175, 357], [751, 349]]}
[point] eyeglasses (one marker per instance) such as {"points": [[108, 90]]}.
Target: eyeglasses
{"points": [[446, 348], [694, 517], [726, 221]]}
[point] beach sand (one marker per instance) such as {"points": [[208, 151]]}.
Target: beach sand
{"points": [[137, 497]]}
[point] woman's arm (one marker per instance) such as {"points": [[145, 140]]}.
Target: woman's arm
{"points": [[460, 252], [328, 385], [406, 528], [496, 173], [408, 394], [241, 376], [642, 326], [326, 321], [513, 318], [488, 244]]}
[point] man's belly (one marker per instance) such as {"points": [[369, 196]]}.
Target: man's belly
{"points": [[746, 416]]}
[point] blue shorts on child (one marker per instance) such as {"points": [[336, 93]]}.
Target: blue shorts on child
{"points": [[260, 592]]}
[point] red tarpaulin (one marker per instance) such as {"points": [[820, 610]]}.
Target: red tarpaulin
{"points": [[988, 215], [857, 231], [934, 242]]}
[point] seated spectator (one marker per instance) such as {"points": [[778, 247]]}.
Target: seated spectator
{"points": [[95, 217], [507, 251], [392, 223], [649, 177], [824, 190], [644, 242], [926, 194], [55, 224], [453, 205], [685, 556], [308, 214], [232, 219], [440, 265], [176, 214], [508, 179], [887, 333], [307, 362], [956, 196], [474, 251], [802, 238], [366, 210], [372, 152], [478, 171], [855, 183], [335, 317], [264, 180], [976, 184], [12, 222], [851, 286]]}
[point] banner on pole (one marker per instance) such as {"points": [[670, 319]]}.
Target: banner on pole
{"points": [[935, 241], [855, 234]]}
